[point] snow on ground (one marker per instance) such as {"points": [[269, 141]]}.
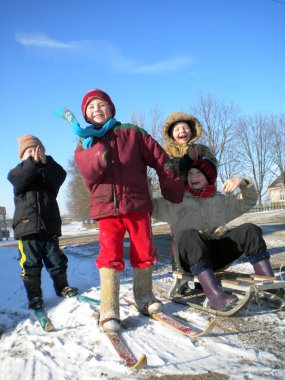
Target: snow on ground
{"points": [[78, 350], [68, 230], [76, 228]]}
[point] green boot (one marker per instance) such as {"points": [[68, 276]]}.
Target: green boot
{"points": [[109, 304], [142, 288]]}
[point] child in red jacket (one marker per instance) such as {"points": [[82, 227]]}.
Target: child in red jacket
{"points": [[113, 161]]}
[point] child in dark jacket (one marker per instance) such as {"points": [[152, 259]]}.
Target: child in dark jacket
{"points": [[113, 161], [36, 222]]}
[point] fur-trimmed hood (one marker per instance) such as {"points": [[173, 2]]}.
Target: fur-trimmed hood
{"points": [[172, 147], [176, 117]]}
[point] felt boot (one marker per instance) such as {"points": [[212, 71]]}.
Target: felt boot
{"points": [[142, 289], [217, 298], [61, 286], [173, 264], [109, 304], [34, 291]]}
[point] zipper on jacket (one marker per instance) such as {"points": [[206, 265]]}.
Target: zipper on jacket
{"points": [[114, 192], [115, 199], [40, 221]]}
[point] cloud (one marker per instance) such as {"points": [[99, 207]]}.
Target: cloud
{"points": [[108, 54], [42, 41], [175, 64], [104, 53], [114, 58]]}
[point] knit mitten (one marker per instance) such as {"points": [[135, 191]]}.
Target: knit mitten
{"points": [[67, 115]]}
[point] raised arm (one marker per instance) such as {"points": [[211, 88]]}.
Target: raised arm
{"points": [[242, 202], [172, 187]]}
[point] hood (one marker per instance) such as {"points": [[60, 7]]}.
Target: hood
{"points": [[176, 117]]}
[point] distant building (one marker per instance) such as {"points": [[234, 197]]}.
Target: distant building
{"points": [[4, 232], [277, 190]]}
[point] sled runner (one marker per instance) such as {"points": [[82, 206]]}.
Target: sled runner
{"points": [[245, 286]]}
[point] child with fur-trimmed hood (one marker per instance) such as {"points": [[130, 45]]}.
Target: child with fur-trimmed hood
{"points": [[181, 131]]}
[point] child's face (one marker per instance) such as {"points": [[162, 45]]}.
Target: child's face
{"points": [[196, 179], [29, 152], [98, 111], [181, 133]]}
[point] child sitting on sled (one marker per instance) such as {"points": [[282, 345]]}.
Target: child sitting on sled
{"points": [[181, 132], [202, 243]]}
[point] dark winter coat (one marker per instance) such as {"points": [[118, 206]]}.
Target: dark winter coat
{"points": [[115, 171], [36, 187]]}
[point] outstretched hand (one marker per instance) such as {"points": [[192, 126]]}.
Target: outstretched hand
{"points": [[66, 114], [232, 184]]}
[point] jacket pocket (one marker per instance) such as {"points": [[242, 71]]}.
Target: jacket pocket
{"points": [[103, 193]]}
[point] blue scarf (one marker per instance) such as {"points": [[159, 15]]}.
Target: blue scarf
{"points": [[89, 132]]}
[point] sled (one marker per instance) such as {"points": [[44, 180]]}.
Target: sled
{"points": [[245, 286]]}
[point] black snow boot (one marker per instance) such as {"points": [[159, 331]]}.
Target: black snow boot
{"points": [[34, 291], [61, 286]]}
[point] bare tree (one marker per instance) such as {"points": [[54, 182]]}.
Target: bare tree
{"points": [[232, 163], [138, 120], [153, 125], [256, 142], [219, 122], [77, 202], [278, 143]]}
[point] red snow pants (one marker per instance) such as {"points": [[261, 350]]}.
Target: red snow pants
{"points": [[111, 238]]}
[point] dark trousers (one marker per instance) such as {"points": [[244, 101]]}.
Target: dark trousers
{"points": [[41, 249], [197, 252]]}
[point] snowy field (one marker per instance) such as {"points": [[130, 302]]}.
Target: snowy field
{"points": [[78, 350]]}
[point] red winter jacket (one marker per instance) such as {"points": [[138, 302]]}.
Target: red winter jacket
{"points": [[115, 171]]}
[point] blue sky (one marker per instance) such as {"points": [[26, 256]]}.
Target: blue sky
{"points": [[143, 53]]}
